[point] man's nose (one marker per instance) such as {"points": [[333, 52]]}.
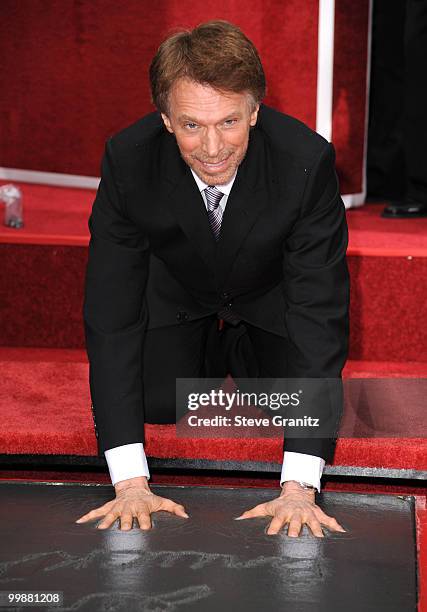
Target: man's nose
{"points": [[212, 142]]}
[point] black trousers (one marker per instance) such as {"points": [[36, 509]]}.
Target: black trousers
{"points": [[197, 349], [397, 134]]}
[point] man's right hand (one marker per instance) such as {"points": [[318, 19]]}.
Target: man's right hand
{"points": [[133, 499]]}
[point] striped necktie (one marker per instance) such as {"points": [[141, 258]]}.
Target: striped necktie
{"points": [[213, 197]]}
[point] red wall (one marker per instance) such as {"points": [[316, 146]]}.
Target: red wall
{"points": [[75, 71], [349, 91]]}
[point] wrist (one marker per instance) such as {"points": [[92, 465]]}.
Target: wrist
{"points": [[293, 486], [140, 482]]}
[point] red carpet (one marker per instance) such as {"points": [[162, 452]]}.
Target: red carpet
{"points": [[51, 415], [52, 215], [371, 234]]}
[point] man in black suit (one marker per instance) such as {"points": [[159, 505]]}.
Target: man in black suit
{"points": [[218, 241]]}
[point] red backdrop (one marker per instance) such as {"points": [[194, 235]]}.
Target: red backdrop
{"points": [[75, 71]]}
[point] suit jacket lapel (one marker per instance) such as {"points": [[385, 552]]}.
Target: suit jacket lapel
{"points": [[185, 201], [248, 197]]}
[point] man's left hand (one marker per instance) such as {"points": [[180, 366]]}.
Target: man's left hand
{"points": [[295, 506]]}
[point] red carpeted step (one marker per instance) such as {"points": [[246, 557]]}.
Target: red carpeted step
{"points": [[45, 409], [43, 264]]}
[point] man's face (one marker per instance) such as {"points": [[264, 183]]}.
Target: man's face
{"points": [[211, 128]]}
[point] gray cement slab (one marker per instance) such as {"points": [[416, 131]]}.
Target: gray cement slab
{"points": [[208, 562]]}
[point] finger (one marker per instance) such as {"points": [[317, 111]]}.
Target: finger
{"points": [[259, 510], [275, 525], [329, 521], [179, 510], [294, 528], [333, 525], [109, 519], [315, 528], [170, 506], [144, 520], [96, 513], [126, 521]]}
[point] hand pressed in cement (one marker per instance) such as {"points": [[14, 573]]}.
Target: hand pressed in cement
{"points": [[296, 507], [133, 499]]}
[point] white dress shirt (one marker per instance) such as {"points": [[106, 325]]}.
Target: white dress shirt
{"points": [[129, 460]]}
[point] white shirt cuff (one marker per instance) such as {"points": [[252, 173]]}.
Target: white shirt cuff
{"points": [[127, 461], [302, 468]]}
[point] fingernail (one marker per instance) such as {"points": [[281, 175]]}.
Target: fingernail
{"points": [[78, 521], [238, 518]]}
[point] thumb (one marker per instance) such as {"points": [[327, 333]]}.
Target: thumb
{"points": [[252, 513]]}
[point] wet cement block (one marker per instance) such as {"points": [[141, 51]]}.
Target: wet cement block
{"points": [[208, 562]]}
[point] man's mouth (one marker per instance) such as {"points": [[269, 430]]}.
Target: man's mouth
{"points": [[215, 166]]}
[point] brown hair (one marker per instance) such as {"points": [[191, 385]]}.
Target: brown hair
{"points": [[215, 53]]}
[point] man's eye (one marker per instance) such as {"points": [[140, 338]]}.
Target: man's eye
{"points": [[191, 126], [230, 121]]}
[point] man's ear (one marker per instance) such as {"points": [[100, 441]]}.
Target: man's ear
{"points": [[167, 123], [254, 115]]}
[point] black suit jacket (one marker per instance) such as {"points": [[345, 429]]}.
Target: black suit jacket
{"points": [[153, 261]]}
